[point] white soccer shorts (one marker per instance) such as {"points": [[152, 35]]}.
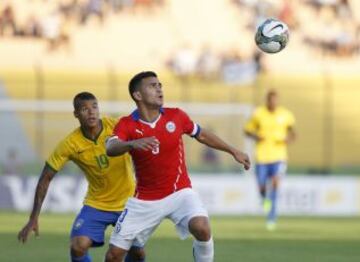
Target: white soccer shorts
{"points": [[141, 217]]}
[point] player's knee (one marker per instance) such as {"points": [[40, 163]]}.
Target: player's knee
{"points": [[200, 228], [80, 245], [111, 256], [275, 182], [262, 188], [114, 254], [137, 253], [203, 233]]}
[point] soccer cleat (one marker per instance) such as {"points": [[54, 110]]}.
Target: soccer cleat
{"points": [[267, 204], [270, 225]]}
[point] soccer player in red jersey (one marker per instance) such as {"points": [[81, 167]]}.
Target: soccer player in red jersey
{"points": [[153, 137]]}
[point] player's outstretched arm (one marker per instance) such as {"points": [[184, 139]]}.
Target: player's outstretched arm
{"points": [[291, 135], [41, 189], [253, 136], [212, 140], [117, 147]]}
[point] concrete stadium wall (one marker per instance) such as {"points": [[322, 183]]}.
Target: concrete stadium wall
{"points": [[325, 106]]}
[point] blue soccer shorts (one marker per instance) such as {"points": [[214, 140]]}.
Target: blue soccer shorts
{"points": [[264, 172], [92, 222]]}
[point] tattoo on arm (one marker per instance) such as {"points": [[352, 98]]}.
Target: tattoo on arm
{"points": [[41, 190]]}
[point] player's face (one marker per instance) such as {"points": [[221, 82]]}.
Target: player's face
{"points": [[88, 113], [272, 101], [151, 92]]}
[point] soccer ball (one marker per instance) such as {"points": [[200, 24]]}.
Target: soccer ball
{"points": [[272, 36]]}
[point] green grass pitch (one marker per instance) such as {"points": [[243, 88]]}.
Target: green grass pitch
{"points": [[236, 239]]}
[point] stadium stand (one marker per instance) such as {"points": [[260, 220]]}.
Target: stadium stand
{"points": [[75, 45]]}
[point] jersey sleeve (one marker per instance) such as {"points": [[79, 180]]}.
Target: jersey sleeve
{"points": [[111, 121], [189, 127], [59, 156], [291, 119], [121, 131]]}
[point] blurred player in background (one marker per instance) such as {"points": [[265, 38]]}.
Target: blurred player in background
{"points": [[153, 136], [272, 128], [110, 181]]}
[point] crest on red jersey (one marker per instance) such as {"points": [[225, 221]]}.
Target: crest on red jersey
{"points": [[170, 126]]}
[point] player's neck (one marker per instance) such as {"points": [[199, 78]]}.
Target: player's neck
{"points": [[271, 108], [148, 114], [93, 131]]}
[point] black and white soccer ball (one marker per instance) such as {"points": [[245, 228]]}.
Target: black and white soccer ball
{"points": [[272, 36]]}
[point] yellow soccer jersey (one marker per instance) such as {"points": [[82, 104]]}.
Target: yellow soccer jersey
{"points": [[110, 179], [273, 128]]}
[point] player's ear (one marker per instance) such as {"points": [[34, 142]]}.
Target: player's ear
{"points": [[137, 95], [76, 114]]}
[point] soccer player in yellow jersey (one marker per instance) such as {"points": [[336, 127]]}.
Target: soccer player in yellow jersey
{"points": [[272, 128], [110, 181]]}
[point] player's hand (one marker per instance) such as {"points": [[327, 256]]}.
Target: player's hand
{"points": [[24, 233], [286, 141], [243, 159], [289, 140], [146, 143]]}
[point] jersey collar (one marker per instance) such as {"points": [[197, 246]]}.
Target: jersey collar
{"points": [[136, 115], [97, 136]]}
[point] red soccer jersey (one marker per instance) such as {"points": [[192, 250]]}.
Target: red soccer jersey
{"points": [[161, 171]]}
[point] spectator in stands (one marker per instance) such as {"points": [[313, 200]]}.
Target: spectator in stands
{"points": [[263, 10], [118, 5], [259, 62], [183, 63], [93, 7], [343, 10], [208, 64], [236, 70], [54, 31], [341, 42], [51, 30], [210, 158], [7, 21], [287, 14], [149, 6], [11, 165], [32, 27], [69, 9]]}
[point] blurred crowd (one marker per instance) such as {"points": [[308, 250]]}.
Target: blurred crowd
{"points": [[229, 66], [334, 30], [329, 26], [58, 17]]}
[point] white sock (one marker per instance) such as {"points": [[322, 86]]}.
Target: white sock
{"points": [[203, 250]]}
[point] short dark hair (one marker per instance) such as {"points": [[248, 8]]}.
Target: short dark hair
{"points": [[272, 92], [81, 97], [136, 81]]}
